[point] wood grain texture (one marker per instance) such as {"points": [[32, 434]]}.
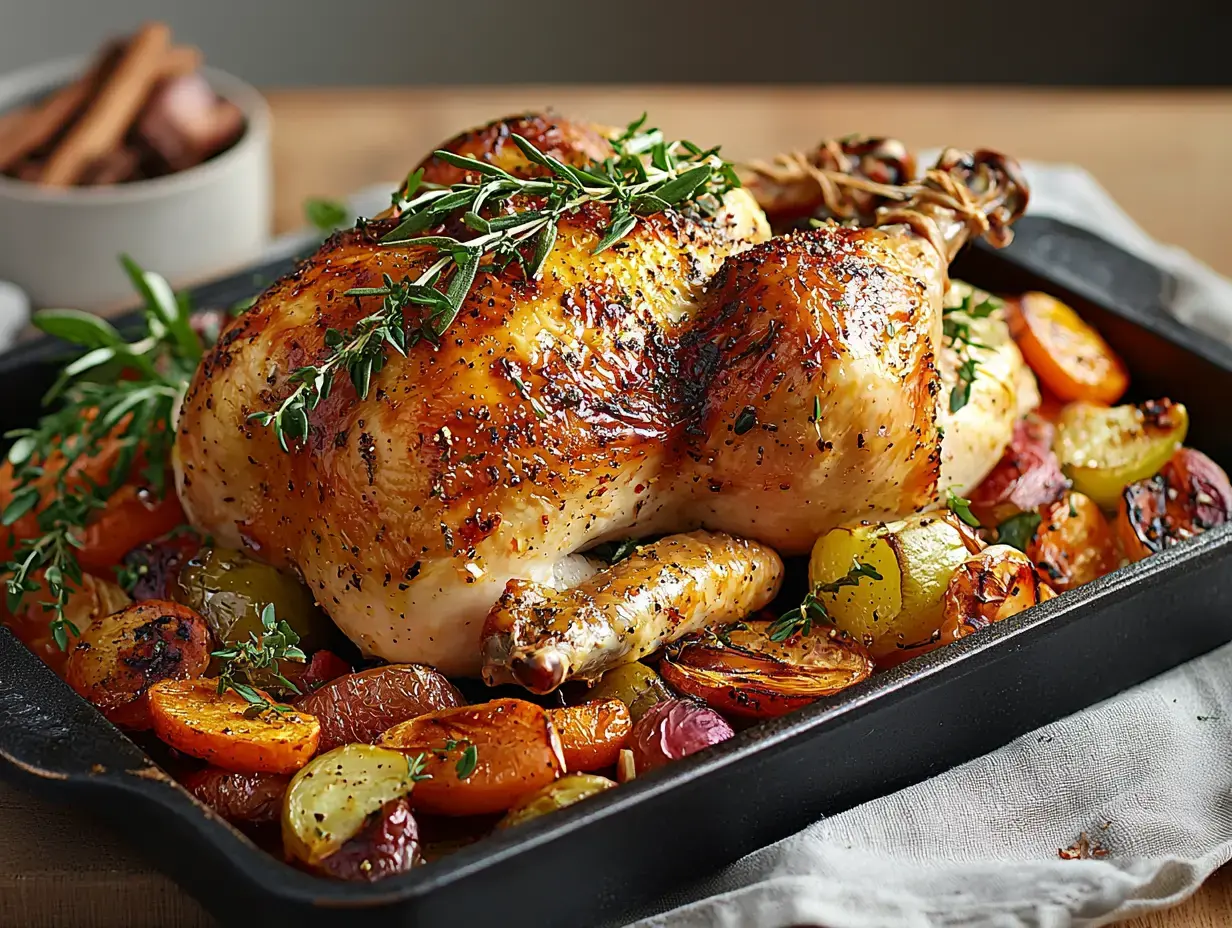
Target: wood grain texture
{"points": [[1159, 153]]}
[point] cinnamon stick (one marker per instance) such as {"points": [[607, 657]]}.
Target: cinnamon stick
{"points": [[108, 116]]}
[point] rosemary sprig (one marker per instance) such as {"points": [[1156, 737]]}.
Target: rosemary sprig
{"points": [[99, 416], [515, 222], [258, 660], [799, 620], [956, 327]]}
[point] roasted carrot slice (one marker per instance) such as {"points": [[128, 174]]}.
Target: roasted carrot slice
{"points": [[1069, 356], [193, 717], [1073, 543], [592, 734], [481, 759]]}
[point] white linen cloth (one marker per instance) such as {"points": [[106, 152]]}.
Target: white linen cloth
{"points": [[977, 846]]}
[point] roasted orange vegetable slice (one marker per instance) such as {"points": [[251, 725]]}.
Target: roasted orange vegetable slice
{"points": [[133, 515], [988, 587], [193, 717], [592, 734], [119, 657], [1027, 476], [482, 759], [1073, 543], [743, 672], [1069, 356], [1188, 496], [92, 600]]}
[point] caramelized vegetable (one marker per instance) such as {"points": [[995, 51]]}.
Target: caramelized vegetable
{"points": [[634, 684], [133, 514], [360, 706], [744, 672], [1102, 449], [1069, 356], [482, 759], [1073, 544], [120, 656], [674, 729], [564, 792], [321, 668], [239, 797], [387, 844], [156, 564], [230, 589], [329, 801], [592, 734], [1188, 496], [899, 615], [1027, 476], [988, 587], [193, 717], [92, 600]]}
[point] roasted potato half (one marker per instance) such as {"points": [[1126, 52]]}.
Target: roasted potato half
{"points": [[1189, 495], [1103, 449], [564, 792], [988, 587], [388, 843], [899, 615], [330, 799], [239, 797], [743, 671], [120, 656], [634, 684]]}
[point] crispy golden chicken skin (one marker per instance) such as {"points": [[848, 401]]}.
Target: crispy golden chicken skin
{"points": [[626, 394]]}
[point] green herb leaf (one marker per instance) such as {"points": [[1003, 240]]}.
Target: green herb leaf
{"points": [[961, 508], [467, 762], [613, 552], [1017, 531], [326, 215], [80, 328]]}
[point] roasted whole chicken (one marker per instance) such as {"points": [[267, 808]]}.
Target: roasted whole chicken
{"points": [[701, 375]]}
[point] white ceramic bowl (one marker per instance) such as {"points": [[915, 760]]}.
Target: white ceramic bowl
{"points": [[60, 244]]}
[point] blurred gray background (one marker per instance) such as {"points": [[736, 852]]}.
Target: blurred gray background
{"points": [[298, 42]]}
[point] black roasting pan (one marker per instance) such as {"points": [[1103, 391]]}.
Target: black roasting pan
{"points": [[615, 854]]}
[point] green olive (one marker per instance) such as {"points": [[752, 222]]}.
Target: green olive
{"points": [[564, 792], [230, 589], [635, 684]]}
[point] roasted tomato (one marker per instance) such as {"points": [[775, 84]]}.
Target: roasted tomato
{"points": [[330, 800], [239, 797], [1069, 356], [988, 587], [1073, 543], [1188, 496], [592, 734], [357, 708], [674, 729], [388, 843], [634, 684], [482, 759], [564, 792], [1102, 449], [120, 656], [743, 672], [133, 514], [156, 564], [1027, 476], [193, 717], [92, 600]]}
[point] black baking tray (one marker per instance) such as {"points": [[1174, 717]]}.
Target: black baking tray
{"points": [[612, 856]]}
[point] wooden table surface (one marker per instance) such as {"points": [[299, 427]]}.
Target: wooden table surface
{"points": [[1162, 155]]}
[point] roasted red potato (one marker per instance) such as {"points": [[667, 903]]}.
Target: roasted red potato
{"points": [[743, 672], [1069, 356], [387, 844], [482, 759], [1073, 543], [193, 717], [674, 729], [90, 601], [592, 734], [1027, 476], [988, 587], [239, 797], [1189, 495], [120, 656], [358, 707], [564, 792], [156, 564]]}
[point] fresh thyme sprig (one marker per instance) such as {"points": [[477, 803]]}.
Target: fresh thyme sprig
{"points": [[257, 661], [515, 222], [99, 418], [961, 507], [468, 760], [956, 327], [799, 620]]}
